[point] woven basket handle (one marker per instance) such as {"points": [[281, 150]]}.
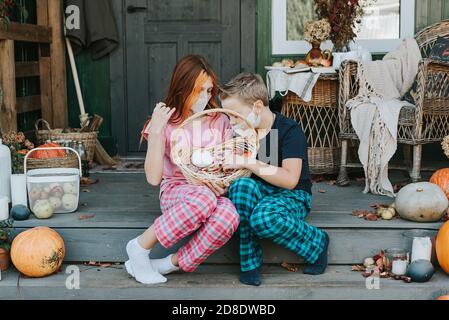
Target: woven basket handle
{"points": [[53, 148], [210, 111], [219, 110], [46, 125]]}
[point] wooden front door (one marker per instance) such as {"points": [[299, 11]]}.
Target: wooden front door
{"points": [[159, 33]]}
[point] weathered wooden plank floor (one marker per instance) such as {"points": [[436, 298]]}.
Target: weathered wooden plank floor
{"points": [[123, 205], [126, 201], [218, 283]]}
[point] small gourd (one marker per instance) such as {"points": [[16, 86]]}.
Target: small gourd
{"points": [[69, 202], [69, 188], [43, 209], [420, 270], [20, 212], [55, 202]]}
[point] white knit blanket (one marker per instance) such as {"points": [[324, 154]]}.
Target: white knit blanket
{"points": [[301, 83], [375, 111]]}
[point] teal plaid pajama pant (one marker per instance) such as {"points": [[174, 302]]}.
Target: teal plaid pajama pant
{"points": [[268, 212]]}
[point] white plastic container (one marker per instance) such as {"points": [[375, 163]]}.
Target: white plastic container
{"points": [[57, 187], [5, 171]]}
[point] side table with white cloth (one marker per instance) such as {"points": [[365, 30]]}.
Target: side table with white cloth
{"points": [[311, 99]]}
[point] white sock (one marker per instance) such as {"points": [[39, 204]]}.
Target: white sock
{"points": [[140, 264], [163, 266]]}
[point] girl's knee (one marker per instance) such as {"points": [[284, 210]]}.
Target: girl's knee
{"points": [[202, 197], [229, 218]]}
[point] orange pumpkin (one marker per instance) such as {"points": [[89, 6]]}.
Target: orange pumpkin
{"points": [[442, 247], [46, 154], [443, 298], [441, 178], [38, 252]]}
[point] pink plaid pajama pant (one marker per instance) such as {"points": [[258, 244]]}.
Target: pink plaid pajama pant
{"points": [[188, 208]]}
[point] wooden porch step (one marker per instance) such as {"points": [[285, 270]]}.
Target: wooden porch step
{"points": [[218, 283], [122, 206]]}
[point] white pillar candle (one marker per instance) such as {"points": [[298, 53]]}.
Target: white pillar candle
{"points": [[399, 267], [4, 209], [422, 248], [19, 189]]}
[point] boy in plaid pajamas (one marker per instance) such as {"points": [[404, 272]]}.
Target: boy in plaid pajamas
{"points": [[274, 202]]}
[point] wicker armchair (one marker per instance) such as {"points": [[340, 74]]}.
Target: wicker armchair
{"points": [[427, 122]]}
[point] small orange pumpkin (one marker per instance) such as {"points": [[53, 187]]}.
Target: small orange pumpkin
{"points": [[38, 252], [46, 154], [442, 247], [443, 298], [441, 179]]}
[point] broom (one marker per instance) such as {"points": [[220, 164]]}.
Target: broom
{"points": [[100, 155]]}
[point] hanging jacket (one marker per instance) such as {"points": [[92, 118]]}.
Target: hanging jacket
{"points": [[98, 30]]}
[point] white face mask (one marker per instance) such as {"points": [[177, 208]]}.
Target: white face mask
{"points": [[201, 103], [252, 118]]}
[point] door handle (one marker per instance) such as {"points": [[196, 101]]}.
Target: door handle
{"points": [[134, 9]]}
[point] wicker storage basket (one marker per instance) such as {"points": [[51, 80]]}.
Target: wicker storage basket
{"points": [[69, 161], [181, 156], [319, 120], [89, 139]]}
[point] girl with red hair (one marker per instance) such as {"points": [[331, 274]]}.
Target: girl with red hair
{"points": [[186, 208]]}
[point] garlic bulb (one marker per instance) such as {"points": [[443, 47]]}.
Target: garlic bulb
{"points": [[202, 159]]}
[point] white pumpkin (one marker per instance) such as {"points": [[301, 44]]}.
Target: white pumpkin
{"points": [[421, 202], [55, 202], [69, 202], [42, 209], [69, 188]]}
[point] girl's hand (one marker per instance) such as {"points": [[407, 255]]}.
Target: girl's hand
{"points": [[159, 119], [219, 191]]}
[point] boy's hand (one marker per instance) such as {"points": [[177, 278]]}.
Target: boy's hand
{"points": [[236, 162], [219, 191]]}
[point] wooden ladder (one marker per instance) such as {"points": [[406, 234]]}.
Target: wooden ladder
{"points": [[48, 33]]}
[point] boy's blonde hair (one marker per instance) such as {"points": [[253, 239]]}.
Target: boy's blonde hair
{"points": [[248, 87]]}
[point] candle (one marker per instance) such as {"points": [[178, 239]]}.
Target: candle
{"points": [[18, 190], [399, 267], [4, 212], [422, 248]]}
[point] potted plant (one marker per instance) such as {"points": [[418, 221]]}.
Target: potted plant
{"points": [[7, 12], [345, 17], [6, 7], [5, 243], [316, 32], [19, 146]]}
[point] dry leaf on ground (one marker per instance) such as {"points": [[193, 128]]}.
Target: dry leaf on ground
{"points": [[358, 268], [289, 266], [84, 181], [98, 264], [86, 216]]}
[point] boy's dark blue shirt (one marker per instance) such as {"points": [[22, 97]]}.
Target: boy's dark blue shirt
{"points": [[291, 143]]}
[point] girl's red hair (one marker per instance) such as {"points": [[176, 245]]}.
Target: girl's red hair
{"points": [[186, 83]]}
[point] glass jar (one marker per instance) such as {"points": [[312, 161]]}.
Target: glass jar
{"points": [[397, 261]]}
